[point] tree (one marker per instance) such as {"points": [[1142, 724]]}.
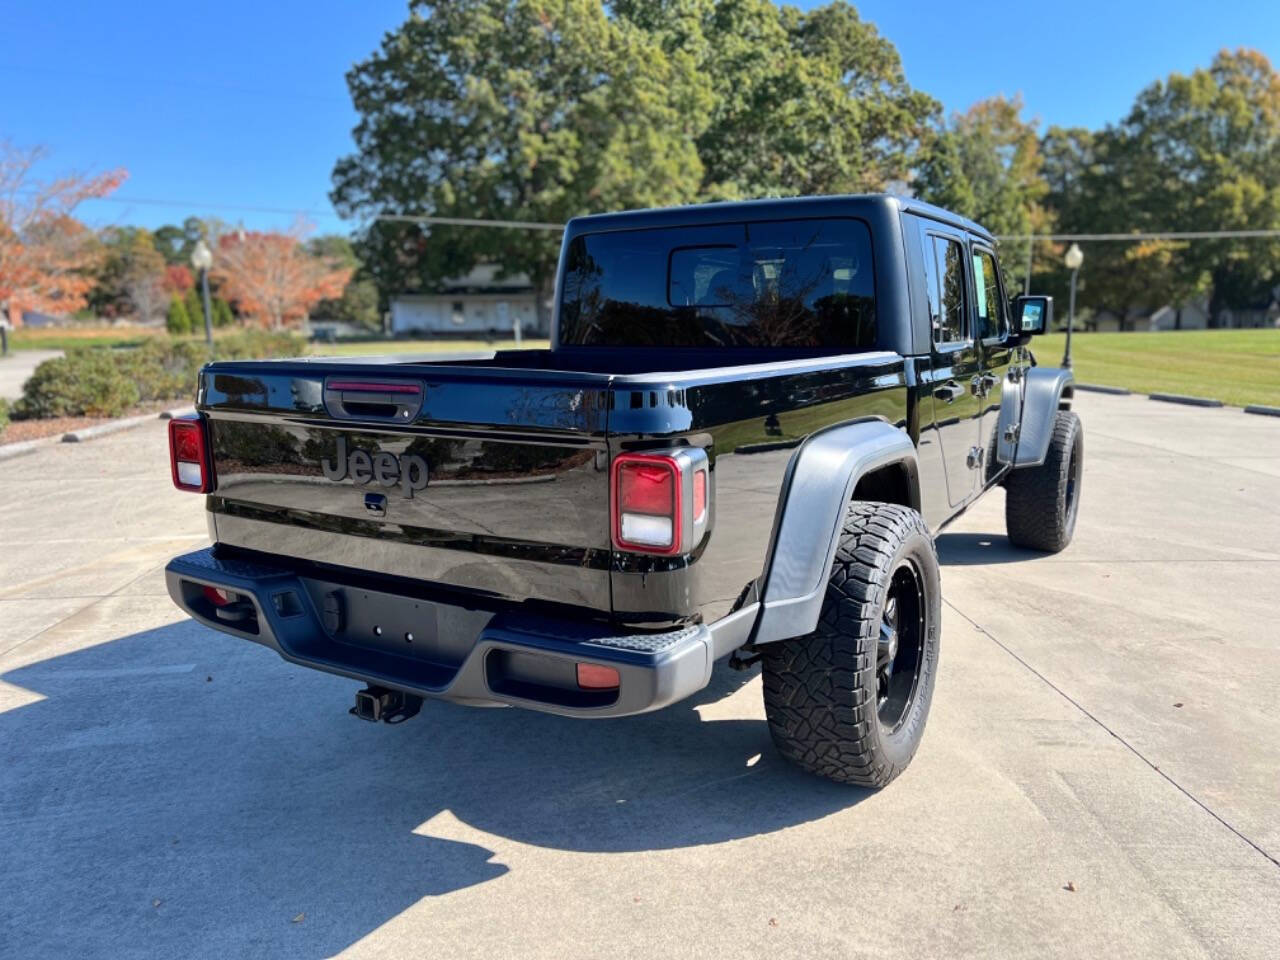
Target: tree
{"points": [[986, 164], [272, 278], [802, 103], [358, 304], [1194, 153], [144, 279], [1202, 152], [177, 278], [222, 315], [194, 306], [178, 320], [528, 110], [46, 255], [176, 243]]}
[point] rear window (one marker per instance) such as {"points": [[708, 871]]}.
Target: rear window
{"points": [[777, 283]]}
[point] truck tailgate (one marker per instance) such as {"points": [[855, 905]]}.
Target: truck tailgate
{"points": [[493, 481]]}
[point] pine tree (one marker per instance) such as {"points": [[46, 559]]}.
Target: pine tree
{"points": [[177, 321]]}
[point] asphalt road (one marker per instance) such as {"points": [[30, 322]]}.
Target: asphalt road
{"points": [[18, 366], [1100, 776]]}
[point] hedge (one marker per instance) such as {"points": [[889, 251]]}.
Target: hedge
{"points": [[104, 382]]}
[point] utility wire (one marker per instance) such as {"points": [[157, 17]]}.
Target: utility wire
{"points": [[542, 225], [1170, 235]]}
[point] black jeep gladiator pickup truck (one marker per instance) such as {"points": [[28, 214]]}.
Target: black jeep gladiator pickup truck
{"points": [[751, 422]]}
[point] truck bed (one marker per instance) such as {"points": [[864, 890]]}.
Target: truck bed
{"points": [[516, 510]]}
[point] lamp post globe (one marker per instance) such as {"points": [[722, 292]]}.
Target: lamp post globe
{"points": [[202, 260], [201, 256], [1073, 259]]}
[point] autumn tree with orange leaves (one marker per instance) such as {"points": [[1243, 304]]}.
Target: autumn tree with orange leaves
{"points": [[272, 278], [47, 256]]}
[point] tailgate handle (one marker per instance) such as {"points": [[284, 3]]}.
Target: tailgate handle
{"points": [[390, 400]]}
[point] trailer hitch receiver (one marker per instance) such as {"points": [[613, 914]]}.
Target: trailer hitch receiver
{"points": [[389, 706]]}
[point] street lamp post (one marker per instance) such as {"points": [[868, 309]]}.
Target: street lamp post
{"points": [[1073, 259], [202, 260]]}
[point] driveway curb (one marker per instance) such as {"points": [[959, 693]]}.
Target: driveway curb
{"points": [[1262, 411], [10, 450], [102, 429], [1102, 388], [1189, 401], [115, 426]]}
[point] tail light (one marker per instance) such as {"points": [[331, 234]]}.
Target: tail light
{"points": [[189, 458], [660, 502]]}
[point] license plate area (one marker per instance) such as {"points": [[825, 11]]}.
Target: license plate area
{"points": [[403, 626]]}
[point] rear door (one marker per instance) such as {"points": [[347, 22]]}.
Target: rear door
{"points": [[955, 361], [991, 330], [492, 481]]}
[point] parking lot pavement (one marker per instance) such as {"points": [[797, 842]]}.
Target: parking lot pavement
{"points": [[1099, 776], [17, 366]]}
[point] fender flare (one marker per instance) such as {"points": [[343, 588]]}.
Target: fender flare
{"points": [[820, 481], [1042, 391]]}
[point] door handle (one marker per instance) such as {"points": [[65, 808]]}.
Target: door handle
{"points": [[981, 386], [949, 391]]}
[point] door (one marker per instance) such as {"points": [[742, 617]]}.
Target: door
{"points": [[955, 361], [991, 331]]}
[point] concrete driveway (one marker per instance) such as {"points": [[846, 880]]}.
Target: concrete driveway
{"points": [[18, 366], [1100, 776]]}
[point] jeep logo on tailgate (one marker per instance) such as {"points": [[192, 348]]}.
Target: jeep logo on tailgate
{"points": [[409, 472]]}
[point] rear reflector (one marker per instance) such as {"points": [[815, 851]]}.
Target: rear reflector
{"points": [[189, 455], [699, 496], [592, 676], [219, 597]]}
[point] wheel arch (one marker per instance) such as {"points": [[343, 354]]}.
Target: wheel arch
{"points": [[871, 458], [1046, 390]]}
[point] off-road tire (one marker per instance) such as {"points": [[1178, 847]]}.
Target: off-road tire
{"points": [[821, 693], [1041, 503]]}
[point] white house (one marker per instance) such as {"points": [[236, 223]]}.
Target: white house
{"points": [[1193, 315], [478, 304]]}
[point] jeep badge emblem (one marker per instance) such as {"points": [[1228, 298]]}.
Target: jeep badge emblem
{"points": [[409, 472]]}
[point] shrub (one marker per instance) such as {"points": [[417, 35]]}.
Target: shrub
{"points": [[195, 309], [101, 382], [163, 370], [177, 321], [86, 382], [222, 315], [4, 415], [260, 345]]}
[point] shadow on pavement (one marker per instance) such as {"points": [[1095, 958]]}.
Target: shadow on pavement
{"points": [[969, 549], [243, 800]]}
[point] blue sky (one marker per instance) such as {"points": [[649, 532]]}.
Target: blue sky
{"points": [[239, 109]]}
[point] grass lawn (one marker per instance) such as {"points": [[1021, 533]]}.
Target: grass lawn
{"points": [[364, 348], [64, 338], [1238, 367]]}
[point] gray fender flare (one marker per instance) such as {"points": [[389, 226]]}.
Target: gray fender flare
{"points": [[820, 482], [1042, 389]]}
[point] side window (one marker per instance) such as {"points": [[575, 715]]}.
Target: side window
{"points": [[989, 311], [944, 280]]}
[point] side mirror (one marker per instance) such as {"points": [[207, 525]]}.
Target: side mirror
{"points": [[1032, 315]]}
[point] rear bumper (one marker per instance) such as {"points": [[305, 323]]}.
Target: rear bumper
{"points": [[445, 651]]}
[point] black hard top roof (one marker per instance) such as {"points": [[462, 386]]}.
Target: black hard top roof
{"points": [[770, 209]]}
